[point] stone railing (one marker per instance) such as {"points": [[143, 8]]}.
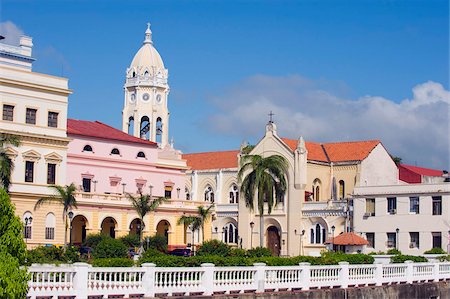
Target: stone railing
{"points": [[80, 280]]}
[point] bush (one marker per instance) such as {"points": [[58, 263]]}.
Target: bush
{"points": [[110, 248], [131, 240], [214, 247], [112, 262], [444, 258], [92, 240], [259, 252], [377, 253], [436, 250], [151, 252], [394, 251], [156, 242], [13, 279], [333, 258], [238, 252], [400, 258], [52, 255]]}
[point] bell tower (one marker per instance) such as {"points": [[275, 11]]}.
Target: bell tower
{"points": [[145, 112]]}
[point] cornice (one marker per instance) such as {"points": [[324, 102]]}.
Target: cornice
{"points": [[35, 86], [38, 138]]}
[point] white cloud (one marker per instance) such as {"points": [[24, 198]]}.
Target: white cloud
{"points": [[11, 32], [415, 129]]}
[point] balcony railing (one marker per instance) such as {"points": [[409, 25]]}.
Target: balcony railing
{"points": [[330, 207]]}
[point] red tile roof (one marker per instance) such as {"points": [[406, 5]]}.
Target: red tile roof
{"points": [[212, 160], [347, 239], [315, 150], [422, 170], [101, 130]]}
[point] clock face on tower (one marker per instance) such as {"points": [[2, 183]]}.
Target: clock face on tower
{"points": [[158, 99], [145, 97]]}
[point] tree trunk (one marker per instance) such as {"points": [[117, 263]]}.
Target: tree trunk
{"points": [[203, 234], [65, 231], [261, 230]]}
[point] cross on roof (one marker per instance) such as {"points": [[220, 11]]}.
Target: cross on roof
{"points": [[271, 114]]}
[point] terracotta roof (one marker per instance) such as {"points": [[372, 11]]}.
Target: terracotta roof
{"points": [[422, 170], [101, 130], [212, 160], [336, 152], [347, 239]]}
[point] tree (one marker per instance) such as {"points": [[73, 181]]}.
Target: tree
{"points": [[397, 160], [64, 196], [197, 222], [13, 279], [6, 164], [144, 204], [265, 178]]}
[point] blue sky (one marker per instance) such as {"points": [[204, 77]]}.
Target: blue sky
{"points": [[315, 63]]}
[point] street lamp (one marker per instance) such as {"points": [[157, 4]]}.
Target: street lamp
{"points": [[70, 223], [151, 189], [332, 239], [252, 224], [28, 221], [178, 192], [397, 230], [123, 187], [95, 185]]}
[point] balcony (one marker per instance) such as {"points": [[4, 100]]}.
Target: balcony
{"points": [[325, 208]]}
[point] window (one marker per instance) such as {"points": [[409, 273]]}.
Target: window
{"points": [[168, 193], [87, 148], [209, 194], [230, 234], [316, 189], [437, 239], [115, 151], [414, 205], [370, 207], [51, 173], [437, 205], [188, 194], [234, 194], [392, 205], [371, 239], [391, 240], [29, 171], [86, 185], [28, 221], [30, 117], [8, 112], [141, 155], [413, 240], [317, 234], [341, 189], [53, 119], [50, 223]]}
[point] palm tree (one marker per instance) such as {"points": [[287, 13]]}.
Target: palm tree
{"points": [[144, 204], [265, 178], [64, 195], [6, 164], [197, 222]]}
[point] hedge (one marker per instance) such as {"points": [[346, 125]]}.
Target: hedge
{"points": [[403, 258], [436, 250], [112, 262], [110, 248]]}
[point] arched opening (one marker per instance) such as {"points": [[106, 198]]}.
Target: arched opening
{"points": [[162, 229], [146, 74], [87, 148], [28, 222], [79, 224], [230, 233], [159, 129], [141, 155], [115, 151], [273, 240], [188, 193], [317, 234], [109, 227], [234, 194], [144, 131], [209, 194], [316, 189], [136, 227], [131, 125], [50, 223], [341, 189]]}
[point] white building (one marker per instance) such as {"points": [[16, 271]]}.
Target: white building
{"points": [[412, 218]]}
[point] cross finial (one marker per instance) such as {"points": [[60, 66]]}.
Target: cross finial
{"points": [[271, 114], [148, 35]]}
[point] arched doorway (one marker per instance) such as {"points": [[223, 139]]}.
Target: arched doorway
{"points": [[136, 227], [109, 227], [162, 229], [273, 240], [79, 224]]}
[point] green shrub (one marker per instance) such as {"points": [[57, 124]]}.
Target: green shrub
{"points": [[214, 247], [131, 240], [112, 262], [436, 250], [238, 252], [110, 248], [400, 258], [394, 251], [151, 252], [92, 240], [52, 255], [444, 258], [377, 253], [259, 252], [13, 279], [157, 242]]}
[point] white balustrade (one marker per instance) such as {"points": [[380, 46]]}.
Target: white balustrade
{"points": [[82, 280]]}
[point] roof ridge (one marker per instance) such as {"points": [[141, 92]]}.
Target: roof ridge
{"points": [[211, 152], [325, 152]]}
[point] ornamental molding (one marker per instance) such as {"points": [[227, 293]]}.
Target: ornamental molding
{"points": [[53, 158], [11, 153], [31, 155]]}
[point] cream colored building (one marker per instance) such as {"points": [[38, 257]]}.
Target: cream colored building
{"points": [[410, 217], [34, 107], [321, 178]]}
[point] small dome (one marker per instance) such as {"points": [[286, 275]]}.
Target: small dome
{"points": [[147, 57]]}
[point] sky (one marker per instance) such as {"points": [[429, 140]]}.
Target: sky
{"points": [[329, 70]]}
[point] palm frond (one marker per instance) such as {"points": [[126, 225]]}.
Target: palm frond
{"points": [[49, 199], [5, 139]]}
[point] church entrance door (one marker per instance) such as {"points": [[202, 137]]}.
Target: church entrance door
{"points": [[273, 240]]}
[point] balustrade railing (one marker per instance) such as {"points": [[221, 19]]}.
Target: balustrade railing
{"points": [[81, 280]]}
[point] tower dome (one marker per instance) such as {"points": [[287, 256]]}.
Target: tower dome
{"points": [[147, 58]]}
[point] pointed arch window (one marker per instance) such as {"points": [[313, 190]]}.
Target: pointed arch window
{"points": [[316, 189], [159, 131], [234, 194], [145, 128], [115, 151], [317, 234], [209, 194], [230, 234], [341, 189], [131, 125]]}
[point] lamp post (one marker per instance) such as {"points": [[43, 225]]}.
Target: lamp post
{"points": [[332, 239], [95, 185], [178, 192], [397, 230], [252, 224], [123, 187], [28, 221], [151, 190], [70, 214]]}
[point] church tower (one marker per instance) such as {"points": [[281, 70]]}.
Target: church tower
{"points": [[145, 113]]}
